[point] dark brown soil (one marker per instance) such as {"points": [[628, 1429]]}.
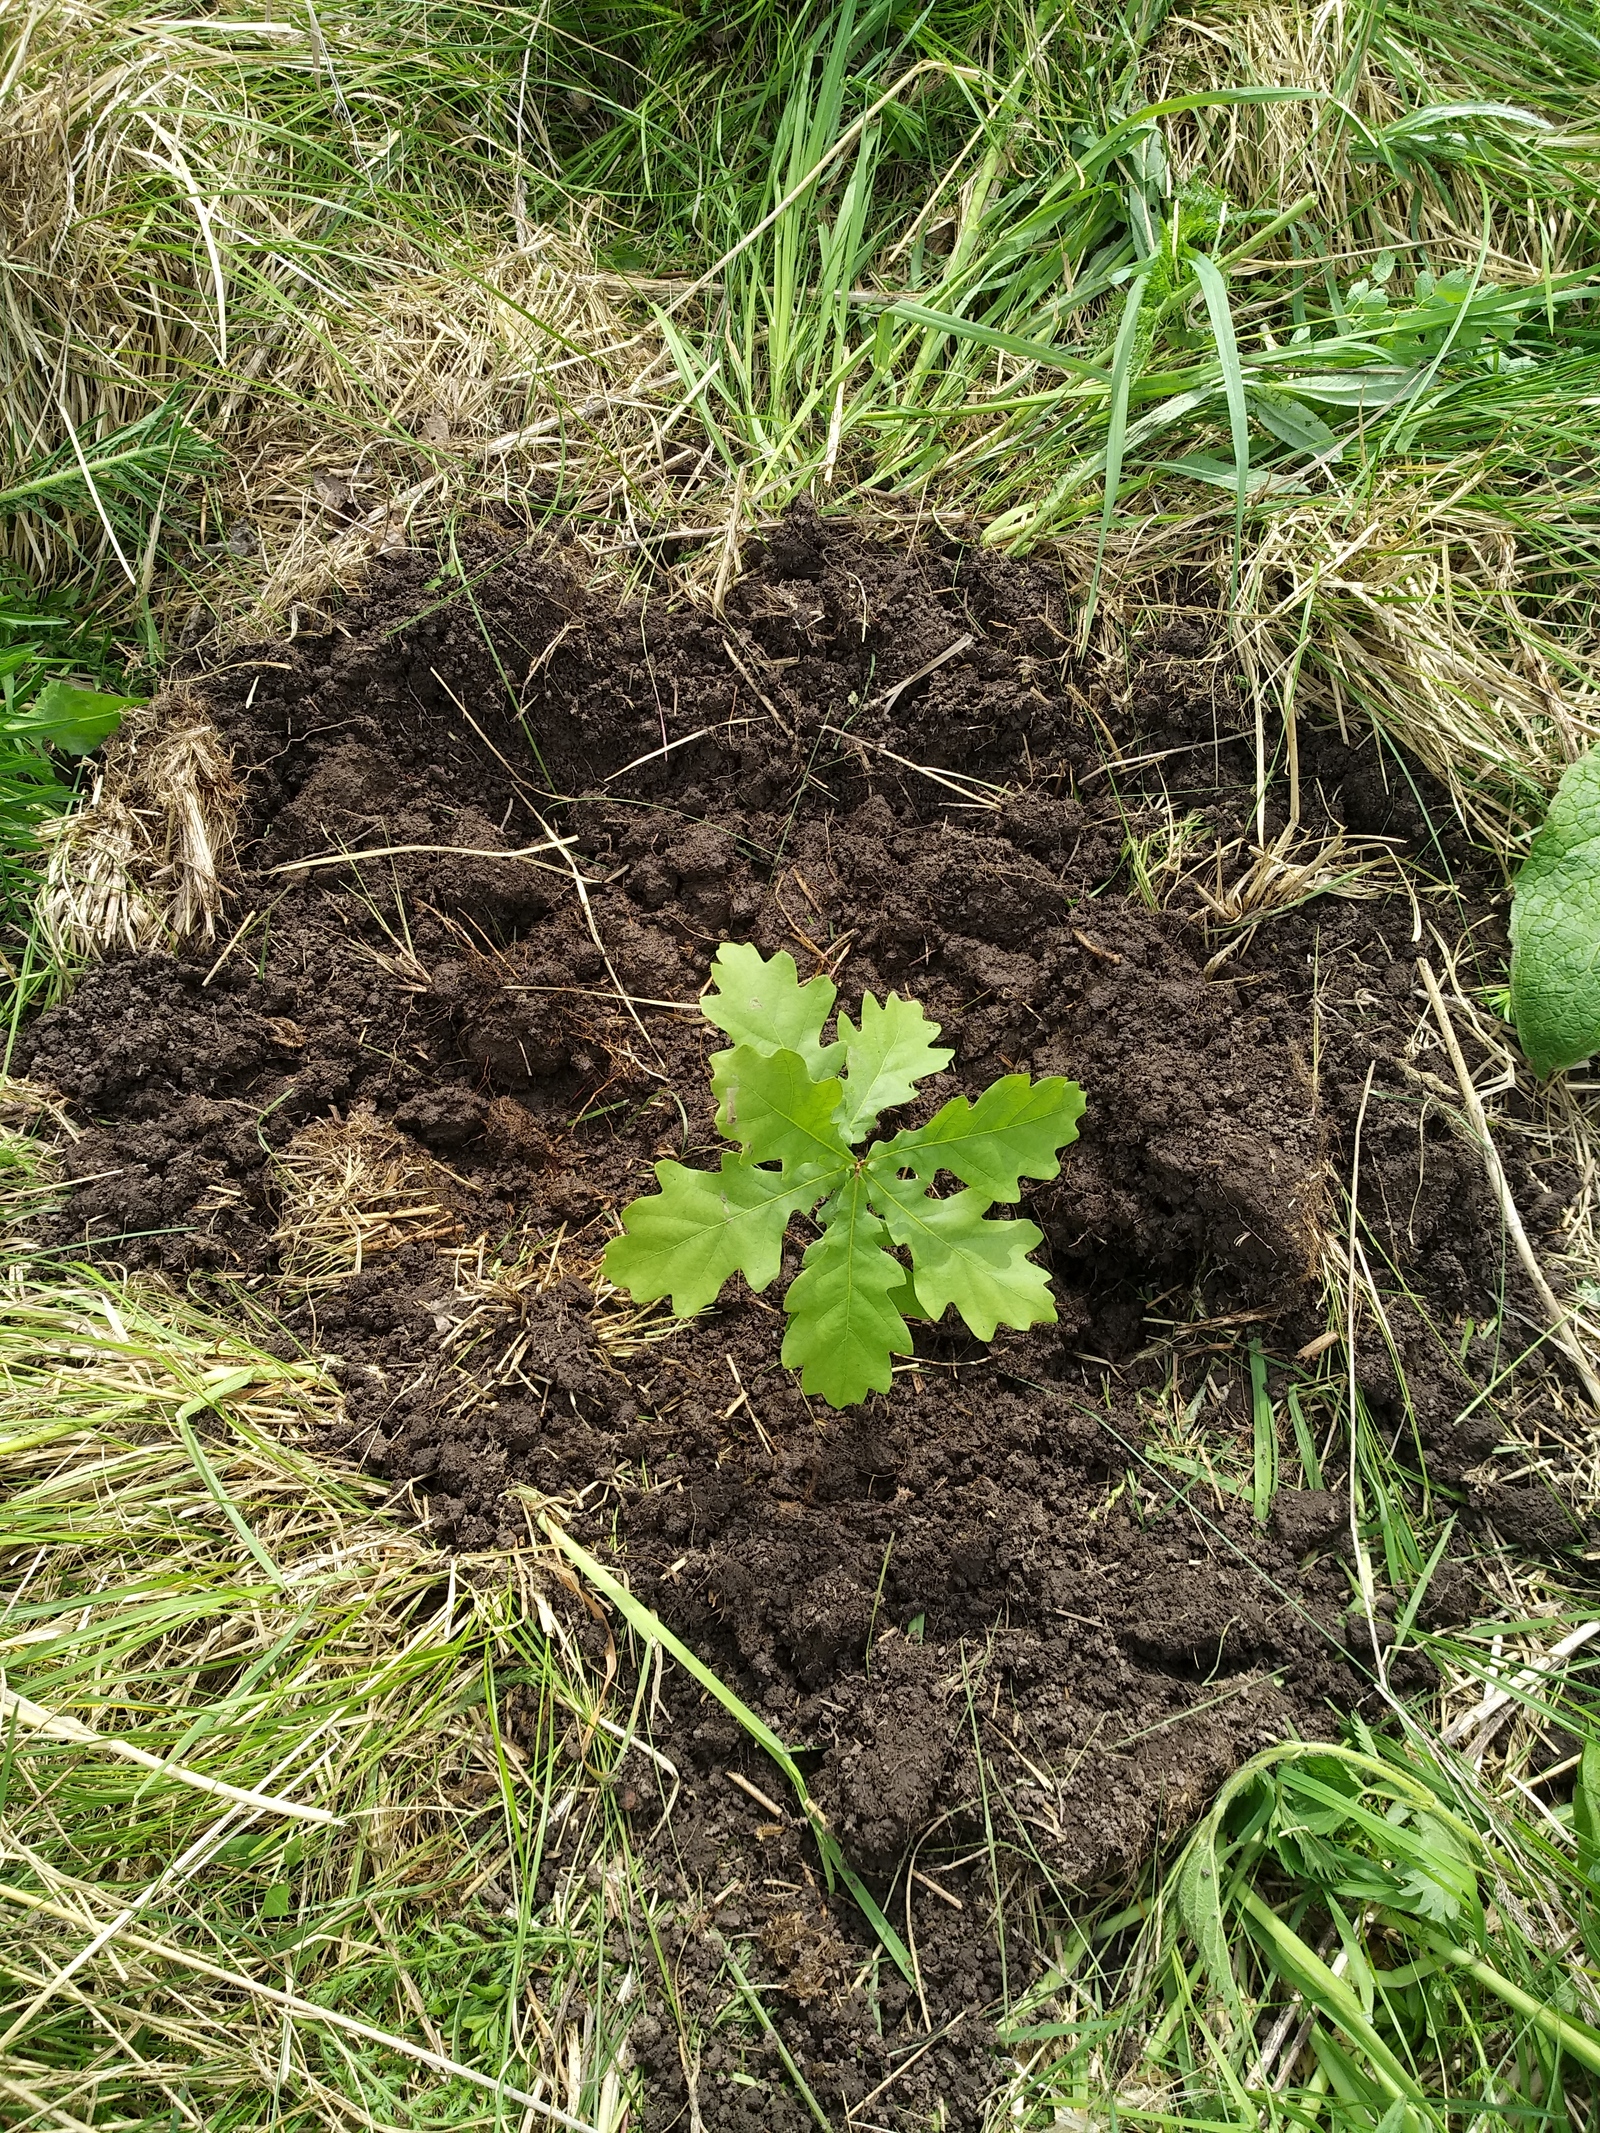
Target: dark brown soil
{"points": [[1065, 1620]]}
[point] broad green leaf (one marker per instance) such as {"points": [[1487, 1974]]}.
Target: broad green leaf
{"points": [[888, 1056], [72, 719], [702, 1228], [1200, 1907], [770, 1105], [759, 1002], [1442, 1884], [958, 1258], [906, 1300], [1555, 928], [1012, 1132], [844, 1330]]}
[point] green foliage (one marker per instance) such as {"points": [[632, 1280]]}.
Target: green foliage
{"points": [[799, 1109], [1347, 1940], [1555, 928], [46, 713]]}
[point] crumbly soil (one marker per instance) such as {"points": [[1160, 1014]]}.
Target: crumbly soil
{"points": [[1045, 1548]]}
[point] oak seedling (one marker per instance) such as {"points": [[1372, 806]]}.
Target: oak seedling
{"points": [[801, 1113]]}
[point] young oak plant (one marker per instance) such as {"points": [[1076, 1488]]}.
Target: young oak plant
{"points": [[801, 1112]]}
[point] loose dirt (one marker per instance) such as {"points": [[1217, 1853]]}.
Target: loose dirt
{"points": [[1026, 1594]]}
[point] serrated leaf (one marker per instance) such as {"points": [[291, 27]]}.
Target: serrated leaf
{"points": [[844, 1330], [1200, 1907], [702, 1228], [957, 1257], [771, 1106], [1555, 928], [1012, 1132], [759, 1001], [887, 1057]]}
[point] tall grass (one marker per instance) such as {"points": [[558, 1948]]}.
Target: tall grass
{"points": [[1303, 296], [289, 1829]]}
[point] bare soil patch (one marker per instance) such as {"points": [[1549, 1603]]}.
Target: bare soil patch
{"points": [[983, 1596]]}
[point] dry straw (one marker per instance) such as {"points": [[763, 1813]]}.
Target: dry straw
{"points": [[145, 861], [355, 1188]]}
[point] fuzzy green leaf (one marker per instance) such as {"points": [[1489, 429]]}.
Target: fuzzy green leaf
{"points": [[72, 719], [1012, 1132], [888, 1056], [958, 1258], [759, 1002], [844, 1330], [1555, 928], [702, 1228], [771, 1106]]}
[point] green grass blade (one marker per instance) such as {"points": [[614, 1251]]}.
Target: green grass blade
{"points": [[1215, 291], [651, 1627]]}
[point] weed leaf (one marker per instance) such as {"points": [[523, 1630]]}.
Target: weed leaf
{"points": [[71, 719], [1282, 415], [843, 1329], [981, 1267], [1214, 288], [1200, 1907], [702, 1228], [1012, 1132], [760, 1002], [1555, 928], [888, 1056]]}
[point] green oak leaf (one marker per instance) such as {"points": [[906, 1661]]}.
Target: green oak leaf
{"points": [[702, 1228], [844, 1330], [1555, 928], [957, 1257], [760, 1002], [888, 1056], [771, 1106], [1011, 1132]]}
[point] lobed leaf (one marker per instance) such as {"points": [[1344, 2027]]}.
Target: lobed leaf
{"points": [[887, 1056], [771, 1106], [1012, 1132], [701, 1229], [759, 1002], [844, 1329], [959, 1258]]}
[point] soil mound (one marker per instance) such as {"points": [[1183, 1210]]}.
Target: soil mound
{"points": [[1029, 1575]]}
